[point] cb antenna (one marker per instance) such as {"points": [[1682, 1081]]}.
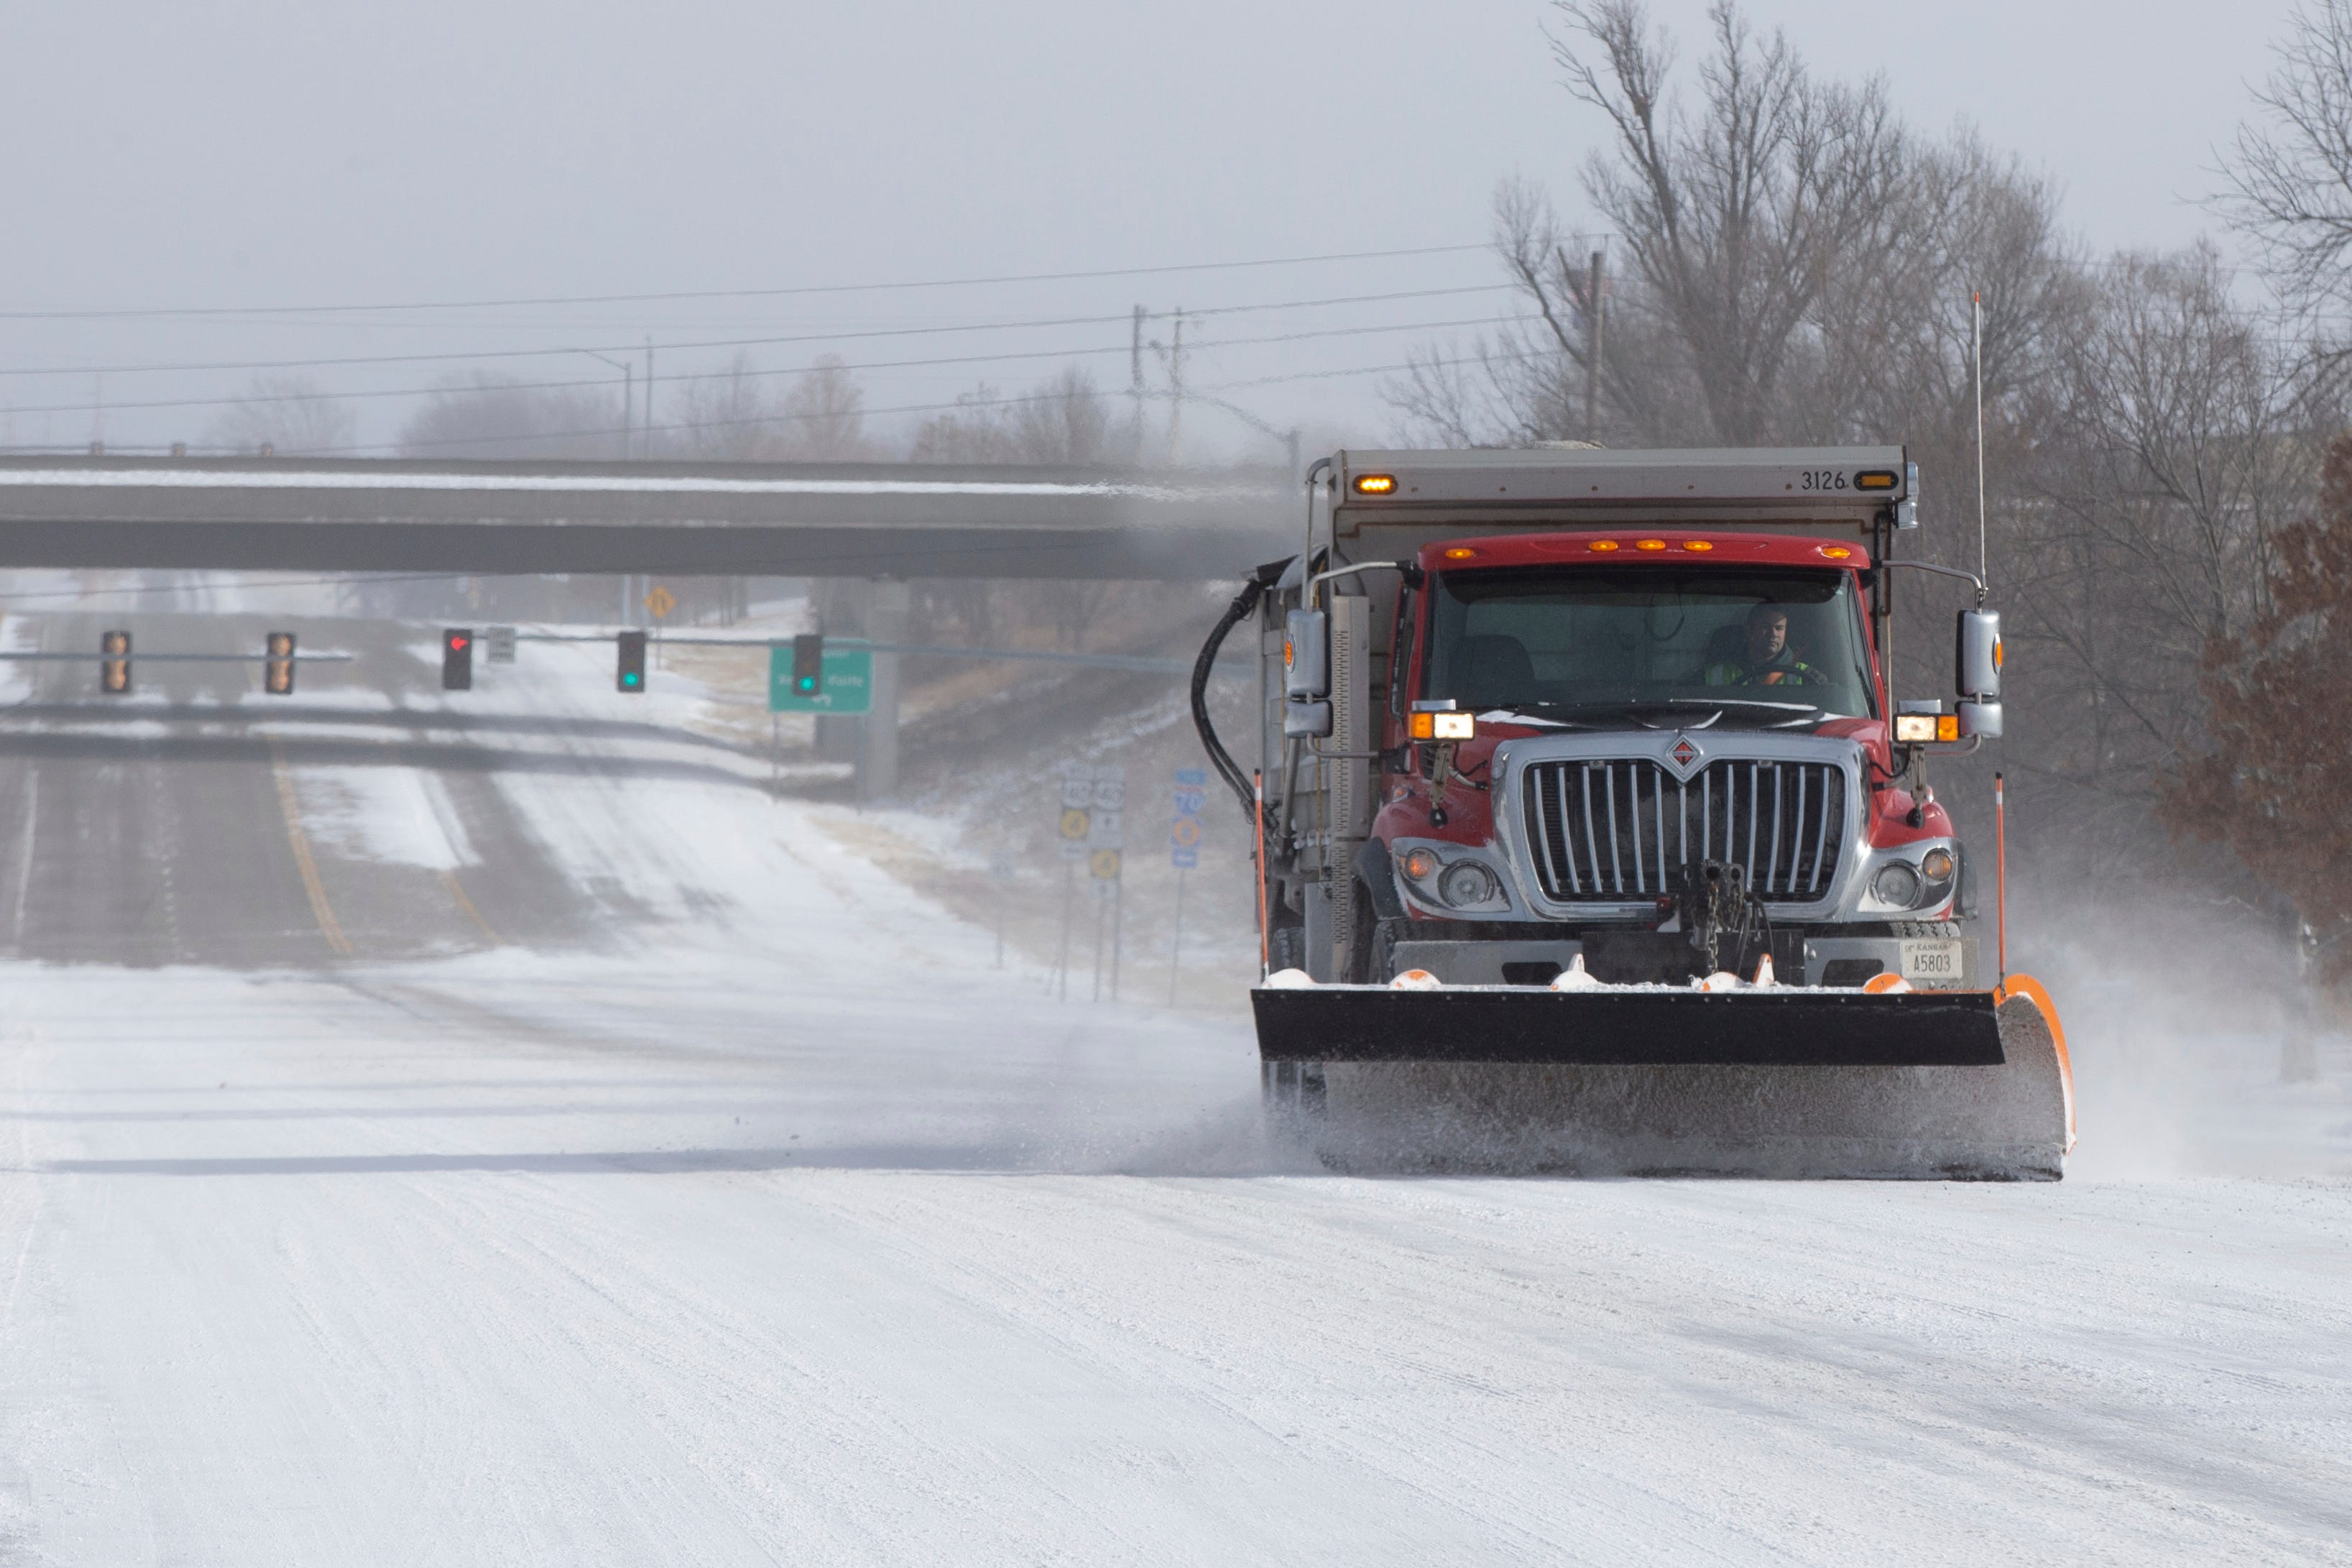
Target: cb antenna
{"points": [[1976, 326]]}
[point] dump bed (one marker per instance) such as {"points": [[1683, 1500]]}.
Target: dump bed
{"points": [[1388, 502]]}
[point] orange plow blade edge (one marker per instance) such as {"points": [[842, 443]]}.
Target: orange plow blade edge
{"points": [[1775, 1083]]}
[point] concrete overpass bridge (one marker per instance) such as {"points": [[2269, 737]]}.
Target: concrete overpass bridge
{"points": [[870, 527], [487, 518]]}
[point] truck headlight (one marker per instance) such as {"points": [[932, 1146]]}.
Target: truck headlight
{"points": [[1467, 882], [1897, 883]]}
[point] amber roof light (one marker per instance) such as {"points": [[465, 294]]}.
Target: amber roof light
{"points": [[1375, 484], [1649, 544]]}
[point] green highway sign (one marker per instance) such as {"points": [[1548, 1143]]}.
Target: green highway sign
{"points": [[848, 682]]}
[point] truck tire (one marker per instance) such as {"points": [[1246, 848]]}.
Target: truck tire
{"points": [[1372, 955]]}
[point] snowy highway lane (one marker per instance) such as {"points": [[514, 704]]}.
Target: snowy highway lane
{"points": [[307, 1272], [768, 1223]]}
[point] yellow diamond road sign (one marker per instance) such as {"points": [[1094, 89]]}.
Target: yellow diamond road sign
{"points": [[1073, 824], [1104, 864], [660, 602]]}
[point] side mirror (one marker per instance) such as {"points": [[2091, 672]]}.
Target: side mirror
{"points": [[1307, 659], [1305, 719], [1907, 510], [1979, 719], [1976, 659]]}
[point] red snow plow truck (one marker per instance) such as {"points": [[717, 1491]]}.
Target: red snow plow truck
{"points": [[1592, 835]]}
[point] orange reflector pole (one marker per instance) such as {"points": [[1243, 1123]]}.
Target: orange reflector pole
{"points": [[2000, 877]]}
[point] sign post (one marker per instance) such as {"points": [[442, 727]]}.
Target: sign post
{"points": [[1106, 841], [1184, 853], [1076, 802], [659, 603]]}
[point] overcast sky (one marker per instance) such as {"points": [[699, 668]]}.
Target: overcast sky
{"points": [[270, 152]]}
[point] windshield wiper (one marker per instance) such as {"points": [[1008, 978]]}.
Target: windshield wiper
{"points": [[1746, 702]]}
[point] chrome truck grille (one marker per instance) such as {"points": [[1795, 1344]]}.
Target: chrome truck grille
{"points": [[1609, 828]]}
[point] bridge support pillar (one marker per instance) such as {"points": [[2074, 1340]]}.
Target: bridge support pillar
{"points": [[877, 766], [877, 610]]}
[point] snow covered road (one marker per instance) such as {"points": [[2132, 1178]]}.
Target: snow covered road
{"points": [[318, 1274], [775, 1225]]}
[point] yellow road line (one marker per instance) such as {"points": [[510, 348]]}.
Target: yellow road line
{"points": [[321, 910], [458, 891]]}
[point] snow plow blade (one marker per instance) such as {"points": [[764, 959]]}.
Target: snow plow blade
{"points": [[1648, 1027], [1773, 1082]]}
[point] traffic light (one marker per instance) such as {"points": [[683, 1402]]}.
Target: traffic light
{"points": [[808, 664], [277, 673], [457, 658], [630, 676], [114, 672]]}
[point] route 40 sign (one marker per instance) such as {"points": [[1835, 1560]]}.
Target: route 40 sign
{"points": [[1184, 828]]}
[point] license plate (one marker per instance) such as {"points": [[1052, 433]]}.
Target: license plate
{"points": [[1931, 959]]}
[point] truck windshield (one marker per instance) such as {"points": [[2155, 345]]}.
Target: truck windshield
{"points": [[1767, 644]]}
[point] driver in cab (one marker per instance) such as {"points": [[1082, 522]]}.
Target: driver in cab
{"points": [[1769, 660]]}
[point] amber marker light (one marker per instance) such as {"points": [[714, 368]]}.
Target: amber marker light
{"points": [[1874, 480], [1649, 544], [1461, 552], [1601, 546], [1947, 726], [1699, 546], [1837, 552], [1375, 484]]}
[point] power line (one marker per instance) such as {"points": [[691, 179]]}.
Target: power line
{"points": [[121, 314], [958, 405], [574, 384], [1124, 317]]}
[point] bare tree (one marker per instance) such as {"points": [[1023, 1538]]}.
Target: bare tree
{"points": [[823, 419], [289, 414], [2288, 177], [1738, 218], [731, 416], [491, 416], [2269, 784], [1064, 421]]}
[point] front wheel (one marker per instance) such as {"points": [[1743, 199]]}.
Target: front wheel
{"points": [[1371, 954]]}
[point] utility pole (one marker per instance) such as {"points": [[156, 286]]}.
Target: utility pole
{"points": [[1176, 389], [628, 395], [1596, 313], [1135, 379], [649, 394]]}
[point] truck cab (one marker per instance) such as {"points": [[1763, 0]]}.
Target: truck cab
{"points": [[1629, 714]]}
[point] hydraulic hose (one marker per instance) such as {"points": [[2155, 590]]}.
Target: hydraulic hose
{"points": [[1245, 604]]}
